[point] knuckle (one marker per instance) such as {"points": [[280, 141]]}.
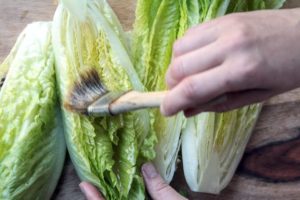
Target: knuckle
{"points": [[177, 69], [251, 64], [228, 84], [162, 190], [249, 71], [240, 37], [243, 35], [189, 89], [234, 19], [177, 48], [161, 187]]}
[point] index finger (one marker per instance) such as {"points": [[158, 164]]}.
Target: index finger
{"points": [[198, 89], [197, 37], [193, 41]]}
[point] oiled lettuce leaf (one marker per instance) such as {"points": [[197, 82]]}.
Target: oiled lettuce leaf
{"points": [[32, 147], [106, 151]]}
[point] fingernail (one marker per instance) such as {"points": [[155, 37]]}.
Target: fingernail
{"points": [[81, 186], [149, 171]]}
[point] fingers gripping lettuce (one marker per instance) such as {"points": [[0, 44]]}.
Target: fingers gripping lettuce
{"points": [[32, 148]]}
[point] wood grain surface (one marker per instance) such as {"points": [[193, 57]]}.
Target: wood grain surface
{"points": [[270, 168]]}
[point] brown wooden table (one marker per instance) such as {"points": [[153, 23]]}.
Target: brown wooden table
{"points": [[270, 168]]}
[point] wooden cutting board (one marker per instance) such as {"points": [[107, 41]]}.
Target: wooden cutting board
{"points": [[270, 168]]}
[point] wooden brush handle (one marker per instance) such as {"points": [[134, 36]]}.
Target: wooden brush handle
{"points": [[134, 100]]}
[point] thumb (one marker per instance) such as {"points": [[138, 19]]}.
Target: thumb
{"points": [[156, 186], [90, 191]]}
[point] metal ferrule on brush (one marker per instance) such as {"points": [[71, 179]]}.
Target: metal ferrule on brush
{"points": [[101, 107]]}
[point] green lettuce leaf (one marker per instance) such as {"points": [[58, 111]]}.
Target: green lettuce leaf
{"points": [[242, 5], [158, 24], [193, 12], [32, 148], [106, 151]]}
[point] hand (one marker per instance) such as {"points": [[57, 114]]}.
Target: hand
{"points": [[234, 61], [156, 186]]}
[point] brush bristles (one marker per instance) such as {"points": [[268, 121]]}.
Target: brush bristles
{"points": [[86, 90], [2, 81]]}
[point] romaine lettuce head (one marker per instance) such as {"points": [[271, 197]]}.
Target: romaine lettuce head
{"points": [[32, 147], [106, 151], [213, 144]]}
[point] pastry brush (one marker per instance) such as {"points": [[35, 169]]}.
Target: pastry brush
{"points": [[90, 96]]}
